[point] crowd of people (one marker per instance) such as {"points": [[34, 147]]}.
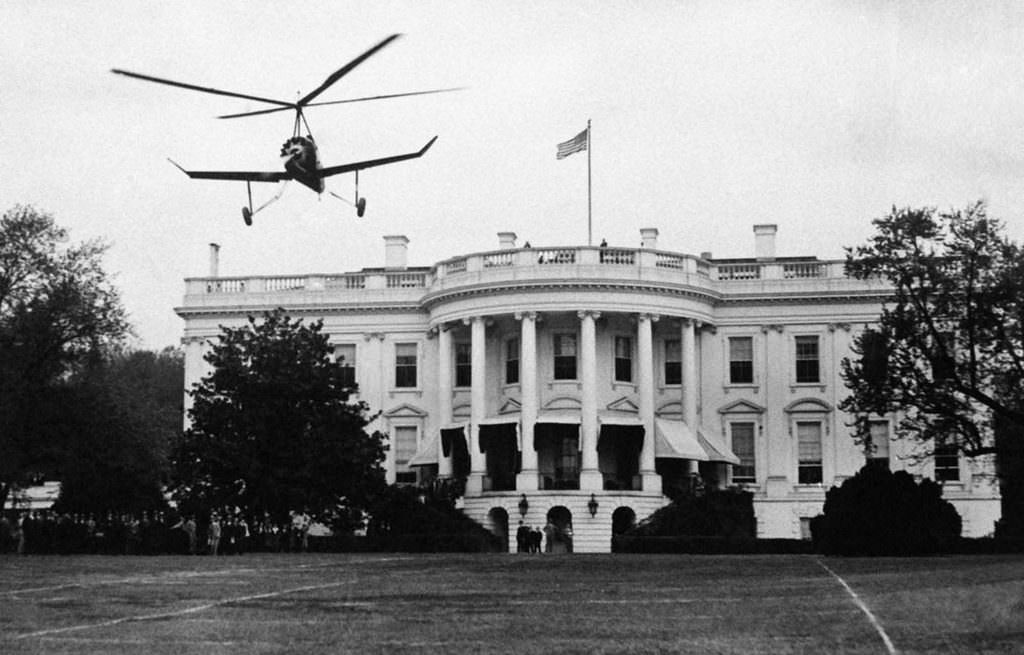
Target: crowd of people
{"points": [[222, 532]]}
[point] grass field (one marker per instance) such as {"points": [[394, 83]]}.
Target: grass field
{"points": [[538, 604]]}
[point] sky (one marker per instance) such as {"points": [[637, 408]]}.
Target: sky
{"points": [[707, 118]]}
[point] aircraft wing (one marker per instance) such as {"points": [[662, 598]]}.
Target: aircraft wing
{"points": [[370, 163], [244, 176]]}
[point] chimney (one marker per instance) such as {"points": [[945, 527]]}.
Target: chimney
{"points": [[214, 259], [395, 251], [506, 240], [706, 255], [764, 241], [649, 237]]}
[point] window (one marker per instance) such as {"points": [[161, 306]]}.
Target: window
{"points": [[808, 435], [405, 450], [345, 355], [743, 447], [565, 356], [947, 463], [878, 455], [673, 361], [807, 364], [463, 364], [512, 361], [567, 470], [741, 360], [623, 359], [405, 365], [805, 528]]}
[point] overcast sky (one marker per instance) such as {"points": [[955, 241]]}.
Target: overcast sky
{"points": [[707, 117]]}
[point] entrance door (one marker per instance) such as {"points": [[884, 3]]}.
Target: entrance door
{"points": [[558, 531]]}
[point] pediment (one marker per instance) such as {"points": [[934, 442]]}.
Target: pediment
{"points": [[623, 404], [741, 407], [808, 405], [405, 410], [462, 412], [563, 402], [511, 406], [673, 408]]}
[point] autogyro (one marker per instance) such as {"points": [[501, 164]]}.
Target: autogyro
{"points": [[300, 153]]}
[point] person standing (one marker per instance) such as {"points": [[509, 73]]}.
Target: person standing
{"points": [[522, 538], [214, 534]]}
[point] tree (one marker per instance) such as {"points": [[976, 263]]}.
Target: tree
{"points": [[58, 309], [947, 356], [273, 431], [119, 420]]}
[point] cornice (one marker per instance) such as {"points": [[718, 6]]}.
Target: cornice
{"points": [[237, 310], [432, 299]]}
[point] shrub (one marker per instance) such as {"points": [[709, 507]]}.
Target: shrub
{"points": [[407, 519], [878, 512], [714, 513]]}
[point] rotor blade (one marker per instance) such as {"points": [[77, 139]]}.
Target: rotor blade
{"points": [[258, 112], [204, 89], [345, 70], [382, 97]]}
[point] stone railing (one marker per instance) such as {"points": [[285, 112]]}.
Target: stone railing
{"points": [[527, 264]]}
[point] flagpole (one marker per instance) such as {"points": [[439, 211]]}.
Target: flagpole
{"points": [[590, 239]]}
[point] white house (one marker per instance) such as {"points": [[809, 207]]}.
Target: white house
{"points": [[577, 383]]}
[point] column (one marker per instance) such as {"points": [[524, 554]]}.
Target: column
{"points": [[688, 346], [478, 409], [649, 480], [590, 475], [689, 386], [444, 395], [528, 477]]}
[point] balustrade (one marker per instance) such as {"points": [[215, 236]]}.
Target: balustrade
{"points": [[526, 259]]}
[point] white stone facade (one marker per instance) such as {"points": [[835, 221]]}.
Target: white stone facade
{"points": [[586, 378]]}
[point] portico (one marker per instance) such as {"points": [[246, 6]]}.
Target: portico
{"points": [[589, 381]]}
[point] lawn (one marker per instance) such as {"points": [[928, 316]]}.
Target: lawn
{"points": [[544, 604]]}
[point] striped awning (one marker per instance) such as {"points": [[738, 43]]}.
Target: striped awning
{"points": [[427, 453], [675, 439]]}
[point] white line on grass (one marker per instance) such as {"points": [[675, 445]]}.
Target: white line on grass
{"points": [[188, 610], [193, 610], [171, 576], [863, 607]]}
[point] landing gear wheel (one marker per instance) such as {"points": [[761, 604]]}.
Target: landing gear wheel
{"points": [[247, 215], [360, 207]]}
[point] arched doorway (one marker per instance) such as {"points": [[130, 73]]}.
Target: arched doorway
{"points": [[558, 531], [498, 520], [623, 519]]}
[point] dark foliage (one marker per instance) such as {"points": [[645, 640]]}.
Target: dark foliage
{"points": [[273, 431], [416, 520], [58, 311], [116, 425], [713, 513], [878, 512], [947, 356]]}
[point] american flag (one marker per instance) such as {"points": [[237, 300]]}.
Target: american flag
{"points": [[575, 144]]}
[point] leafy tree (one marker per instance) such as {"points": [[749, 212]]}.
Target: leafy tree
{"points": [[947, 356], [58, 309], [273, 432], [119, 420], [878, 512]]}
